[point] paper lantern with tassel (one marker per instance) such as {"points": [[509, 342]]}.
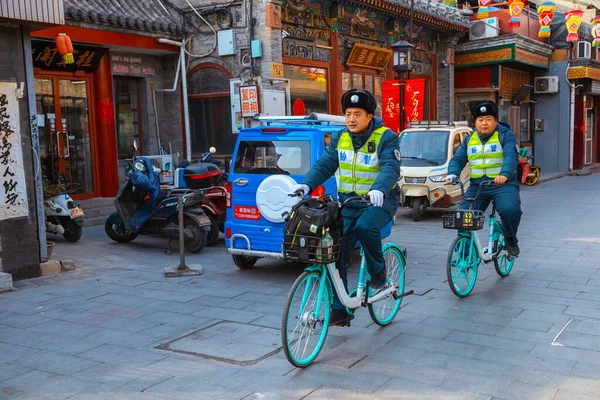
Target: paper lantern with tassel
{"points": [[596, 31], [65, 48], [483, 11], [515, 9], [573, 21], [545, 16]]}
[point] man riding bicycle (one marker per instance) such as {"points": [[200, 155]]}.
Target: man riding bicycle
{"points": [[491, 151], [368, 157]]}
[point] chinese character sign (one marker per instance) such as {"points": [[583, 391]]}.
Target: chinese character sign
{"points": [[545, 16], [249, 100], [515, 9], [13, 191], [414, 101], [573, 21]]}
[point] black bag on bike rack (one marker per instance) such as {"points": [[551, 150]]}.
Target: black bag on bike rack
{"points": [[306, 225]]}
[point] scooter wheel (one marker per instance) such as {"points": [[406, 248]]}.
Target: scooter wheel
{"points": [[115, 230], [198, 242], [213, 234], [73, 232]]}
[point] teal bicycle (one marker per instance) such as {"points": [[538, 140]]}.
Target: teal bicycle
{"points": [[306, 315], [466, 253]]}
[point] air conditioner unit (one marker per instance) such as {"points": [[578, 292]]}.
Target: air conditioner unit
{"points": [[584, 50], [545, 84], [595, 54], [484, 28]]}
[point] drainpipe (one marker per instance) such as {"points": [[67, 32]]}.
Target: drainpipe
{"points": [[186, 113], [571, 127]]}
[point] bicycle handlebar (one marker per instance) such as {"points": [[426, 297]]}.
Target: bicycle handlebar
{"points": [[462, 189], [362, 199]]}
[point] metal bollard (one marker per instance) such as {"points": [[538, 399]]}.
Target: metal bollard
{"points": [[182, 269]]}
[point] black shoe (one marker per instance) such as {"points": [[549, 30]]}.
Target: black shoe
{"points": [[512, 248], [340, 317], [379, 280]]}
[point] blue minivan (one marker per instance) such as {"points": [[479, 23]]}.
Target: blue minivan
{"points": [[268, 161]]}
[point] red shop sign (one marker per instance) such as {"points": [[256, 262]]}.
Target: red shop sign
{"points": [[246, 212], [414, 101]]}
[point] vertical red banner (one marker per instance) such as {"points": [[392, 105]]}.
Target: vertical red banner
{"points": [[414, 102]]}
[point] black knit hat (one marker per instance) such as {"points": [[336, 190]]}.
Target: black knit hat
{"points": [[485, 107], [359, 99]]}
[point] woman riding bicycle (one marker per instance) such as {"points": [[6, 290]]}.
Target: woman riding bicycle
{"points": [[491, 152], [368, 157]]}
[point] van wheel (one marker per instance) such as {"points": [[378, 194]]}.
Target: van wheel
{"points": [[244, 262], [418, 207]]}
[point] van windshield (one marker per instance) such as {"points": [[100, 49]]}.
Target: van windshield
{"points": [[288, 157], [424, 148]]}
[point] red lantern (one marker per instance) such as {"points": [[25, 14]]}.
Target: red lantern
{"points": [[573, 21], [596, 31], [483, 11], [545, 16], [515, 7], [65, 48]]}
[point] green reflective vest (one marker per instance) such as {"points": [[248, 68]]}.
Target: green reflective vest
{"points": [[485, 159], [359, 170]]}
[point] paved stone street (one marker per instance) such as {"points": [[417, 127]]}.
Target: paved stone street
{"points": [[111, 328]]}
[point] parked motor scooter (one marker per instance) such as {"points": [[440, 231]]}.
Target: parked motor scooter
{"points": [[144, 209], [215, 200], [64, 216]]}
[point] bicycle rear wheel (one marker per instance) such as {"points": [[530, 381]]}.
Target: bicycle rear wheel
{"points": [[462, 264], [504, 263], [384, 311], [305, 319], [533, 176]]}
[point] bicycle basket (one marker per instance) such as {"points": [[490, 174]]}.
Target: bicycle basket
{"points": [[464, 219], [307, 249]]}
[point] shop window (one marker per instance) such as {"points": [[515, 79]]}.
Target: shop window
{"points": [[127, 96], [308, 86], [464, 102], [525, 126], [210, 111]]}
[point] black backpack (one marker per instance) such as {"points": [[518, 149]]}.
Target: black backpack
{"points": [[306, 225]]}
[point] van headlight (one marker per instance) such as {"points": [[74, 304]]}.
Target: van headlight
{"points": [[438, 178]]}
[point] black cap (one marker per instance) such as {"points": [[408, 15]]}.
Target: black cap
{"points": [[485, 107], [359, 99]]}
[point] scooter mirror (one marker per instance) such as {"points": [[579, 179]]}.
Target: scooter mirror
{"points": [[60, 178], [212, 150], [134, 145]]}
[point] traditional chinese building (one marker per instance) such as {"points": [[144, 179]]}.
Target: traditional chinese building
{"points": [[321, 49], [119, 89], [501, 66], [21, 200], [331, 47]]}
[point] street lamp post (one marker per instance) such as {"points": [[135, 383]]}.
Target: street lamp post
{"points": [[402, 54]]}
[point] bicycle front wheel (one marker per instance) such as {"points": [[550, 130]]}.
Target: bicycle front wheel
{"points": [[384, 311], [305, 319], [462, 264], [503, 264]]}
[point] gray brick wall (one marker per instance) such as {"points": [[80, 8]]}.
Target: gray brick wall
{"points": [[20, 245], [239, 63], [445, 83]]}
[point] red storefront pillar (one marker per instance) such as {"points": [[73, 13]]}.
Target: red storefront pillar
{"points": [[108, 174]]}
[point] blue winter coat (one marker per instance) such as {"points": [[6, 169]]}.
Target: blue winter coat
{"points": [[387, 180], [509, 148]]}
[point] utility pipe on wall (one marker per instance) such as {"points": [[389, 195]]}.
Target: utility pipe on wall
{"points": [[186, 114]]}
